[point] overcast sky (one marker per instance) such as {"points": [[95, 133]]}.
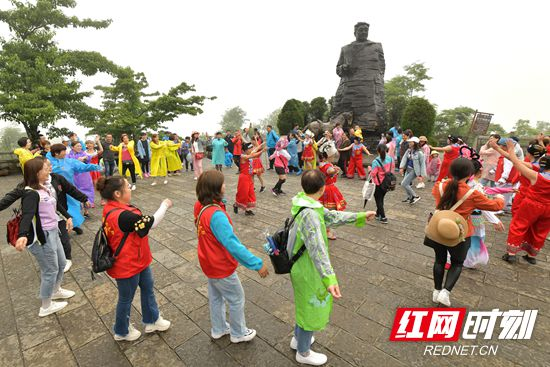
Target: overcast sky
{"points": [[488, 55]]}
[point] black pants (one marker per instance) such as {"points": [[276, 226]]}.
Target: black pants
{"points": [[237, 160], [379, 194], [109, 167], [144, 163], [64, 237], [270, 151], [458, 255], [129, 166], [187, 163]]}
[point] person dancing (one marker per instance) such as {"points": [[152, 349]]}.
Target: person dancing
{"points": [[246, 197]]}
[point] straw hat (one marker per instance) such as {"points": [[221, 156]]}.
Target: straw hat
{"points": [[423, 138], [434, 152], [447, 227]]}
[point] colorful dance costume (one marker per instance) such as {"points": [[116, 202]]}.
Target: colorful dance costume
{"points": [[172, 156], [332, 198], [530, 224], [506, 176], [308, 154], [356, 162], [524, 185], [94, 159], [158, 159], [448, 158], [257, 166], [245, 198]]}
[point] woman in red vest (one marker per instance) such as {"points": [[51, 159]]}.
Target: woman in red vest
{"points": [[451, 152], [126, 226], [220, 252]]}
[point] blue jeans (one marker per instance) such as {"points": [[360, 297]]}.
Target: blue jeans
{"points": [[227, 289], [51, 259], [126, 290], [109, 168], [407, 182], [304, 339]]}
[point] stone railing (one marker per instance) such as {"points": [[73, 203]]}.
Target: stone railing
{"points": [[9, 164]]}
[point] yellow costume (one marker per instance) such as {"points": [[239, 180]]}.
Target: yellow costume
{"points": [[132, 152], [158, 159], [24, 155], [315, 149], [172, 156]]}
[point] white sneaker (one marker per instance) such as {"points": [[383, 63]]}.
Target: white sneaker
{"points": [[443, 297], [63, 294], [133, 334], [153, 183], [68, 266], [248, 336], [54, 307], [159, 325], [435, 295], [219, 336], [294, 342], [313, 359], [165, 182], [420, 185], [133, 187]]}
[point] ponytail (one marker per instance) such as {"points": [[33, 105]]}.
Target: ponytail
{"points": [[382, 149], [448, 199]]}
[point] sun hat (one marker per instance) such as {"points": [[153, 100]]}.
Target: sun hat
{"points": [[423, 138], [447, 227], [65, 139], [434, 152], [414, 139]]}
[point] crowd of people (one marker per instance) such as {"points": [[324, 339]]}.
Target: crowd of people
{"points": [[470, 188]]}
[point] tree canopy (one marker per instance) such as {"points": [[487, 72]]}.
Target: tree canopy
{"points": [[38, 80], [233, 119], [455, 121], [270, 119], [292, 114], [523, 129], [318, 109], [419, 116]]}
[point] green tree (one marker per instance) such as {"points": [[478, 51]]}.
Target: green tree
{"points": [[496, 128], [419, 116], [127, 108], [543, 127], [306, 109], [39, 82], [416, 75], [455, 121], [270, 119], [523, 129], [291, 114], [318, 108], [233, 119], [10, 135]]}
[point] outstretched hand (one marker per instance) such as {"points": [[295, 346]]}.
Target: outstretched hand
{"points": [[370, 215], [335, 291]]}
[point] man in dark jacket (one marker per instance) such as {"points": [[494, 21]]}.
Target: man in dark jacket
{"points": [[60, 187]]}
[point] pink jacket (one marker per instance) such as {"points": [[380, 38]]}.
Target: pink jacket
{"points": [[434, 164]]}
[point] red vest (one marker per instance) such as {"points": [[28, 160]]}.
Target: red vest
{"points": [[135, 256], [513, 177], [216, 262]]}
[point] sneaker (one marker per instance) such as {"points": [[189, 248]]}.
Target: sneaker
{"points": [[153, 183], [274, 192], [420, 185], [313, 358], [435, 294], [63, 294], [384, 220], [133, 187], [219, 336], [68, 266], [262, 189], [159, 325], [415, 200], [78, 231], [54, 307], [294, 342], [249, 212], [407, 200], [299, 172], [165, 182], [133, 334], [512, 259], [443, 297], [248, 336], [530, 260], [377, 217]]}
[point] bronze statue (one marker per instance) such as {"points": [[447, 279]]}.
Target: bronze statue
{"points": [[361, 68]]}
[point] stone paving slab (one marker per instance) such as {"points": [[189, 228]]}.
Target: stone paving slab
{"points": [[380, 268]]}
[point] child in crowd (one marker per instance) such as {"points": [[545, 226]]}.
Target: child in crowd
{"points": [[313, 278], [381, 164], [358, 132], [281, 158], [292, 149], [434, 165], [220, 252], [308, 155], [228, 158], [332, 198], [356, 160], [246, 197], [257, 166]]}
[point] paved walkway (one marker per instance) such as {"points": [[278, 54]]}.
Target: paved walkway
{"points": [[380, 267]]}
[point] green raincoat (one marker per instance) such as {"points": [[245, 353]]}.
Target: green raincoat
{"points": [[312, 274]]}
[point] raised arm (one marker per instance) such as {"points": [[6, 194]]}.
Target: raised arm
{"points": [[526, 172]]}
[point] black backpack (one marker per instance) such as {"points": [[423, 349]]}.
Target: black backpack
{"points": [[281, 261], [390, 181], [102, 254]]}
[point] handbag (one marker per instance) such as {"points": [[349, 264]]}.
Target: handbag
{"points": [[368, 190], [12, 227], [199, 155]]}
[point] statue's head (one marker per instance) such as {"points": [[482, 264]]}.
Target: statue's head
{"points": [[361, 31]]}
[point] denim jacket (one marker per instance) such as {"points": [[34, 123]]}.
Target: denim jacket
{"points": [[419, 162], [141, 150]]}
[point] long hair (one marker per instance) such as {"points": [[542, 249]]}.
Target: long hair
{"points": [[460, 169], [30, 173], [382, 149]]}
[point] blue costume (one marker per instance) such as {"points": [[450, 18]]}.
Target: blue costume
{"points": [[292, 149], [67, 168], [228, 159]]}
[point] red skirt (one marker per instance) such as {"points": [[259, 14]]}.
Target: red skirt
{"points": [[246, 197], [307, 155], [257, 166], [95, 174], [333, 199]]}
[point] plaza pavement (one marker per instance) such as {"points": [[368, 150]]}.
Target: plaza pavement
{"points": [[380, 267]]}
